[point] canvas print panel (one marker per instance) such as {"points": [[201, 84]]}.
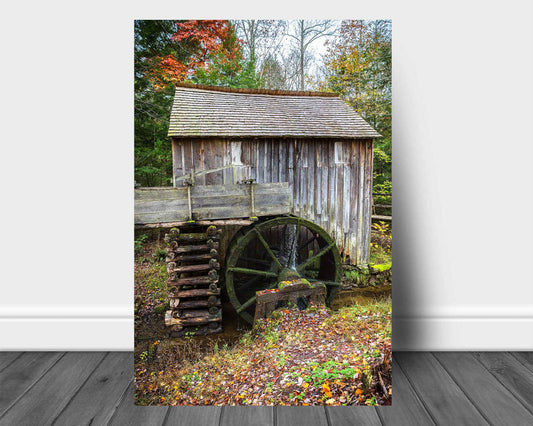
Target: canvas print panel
{"points": [[263, 212]]}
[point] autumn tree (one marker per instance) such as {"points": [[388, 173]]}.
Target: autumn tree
{"points": [[358, 66], [228, 67], [168, 52], [151, 107]]}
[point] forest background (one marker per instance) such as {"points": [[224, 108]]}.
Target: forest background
{"points": [[349, 57]]}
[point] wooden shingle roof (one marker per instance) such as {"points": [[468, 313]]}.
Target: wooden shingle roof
{"points": [[213, 111]]}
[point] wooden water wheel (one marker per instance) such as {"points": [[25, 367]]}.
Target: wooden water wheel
{"points": [[264, 254]]}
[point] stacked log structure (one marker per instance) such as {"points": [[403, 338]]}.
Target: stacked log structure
{"points": [[193, 268]]}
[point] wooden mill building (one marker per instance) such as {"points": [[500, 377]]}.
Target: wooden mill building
{"points": [[312, 140]]}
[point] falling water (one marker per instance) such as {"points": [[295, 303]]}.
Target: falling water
{"points": [[289, 246], [292, 237]]}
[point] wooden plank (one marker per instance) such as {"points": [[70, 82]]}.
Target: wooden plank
{"points": [[98, 398], [489, 396], [199, 163], [177, 165], [308, 416], [511, 373], [305, 179], [253, 150], [339, 192], [347, 416], [47, 398], [260, 162], [331, 188], [227, 222], [290, 165], [245, 416], [284, 161], [445, 401], [163, 193], [361, 212], [127, 413], [346, 202], [203, 415], [381, 217], [7, 358], [354, 192], [367, 219], [267, 160], [297, 178], [218, 209], [22, 374], [189, 155], [525, 358], [318, 185], [407, 408], [210, 202], [146, 195], [276, 160]]}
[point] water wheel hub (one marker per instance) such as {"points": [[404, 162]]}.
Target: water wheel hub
{"points": [[288, 274]]}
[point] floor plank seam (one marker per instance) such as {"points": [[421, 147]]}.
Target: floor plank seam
{"points": [[522, 362], [417, 395], [119, 402], [380, 417], [31, 386], [454, 380], [506, 387], [12, 361], [275, 416], [328, 418], [220, 416], [165, 419], [79, 389]]}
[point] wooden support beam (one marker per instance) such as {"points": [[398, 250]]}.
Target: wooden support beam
{"points": [[379, 217], [197, 292], [175, 302], [228, 222], [190, 281]]}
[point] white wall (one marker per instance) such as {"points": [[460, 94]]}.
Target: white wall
{"points": [[462, 169]]}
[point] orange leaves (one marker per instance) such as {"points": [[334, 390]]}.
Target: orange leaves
{"points": [[204, 40], [165, 70], [326, 390], [308, 367], [209, 33]]}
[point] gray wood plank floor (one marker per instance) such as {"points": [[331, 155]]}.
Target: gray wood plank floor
{"points": [[96, 388]]}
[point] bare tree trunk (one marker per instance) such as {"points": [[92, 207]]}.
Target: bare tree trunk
{"points": [[302, 52]]}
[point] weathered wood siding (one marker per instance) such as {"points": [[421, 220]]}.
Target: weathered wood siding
{"points": [[330, 179], [213, 202]]}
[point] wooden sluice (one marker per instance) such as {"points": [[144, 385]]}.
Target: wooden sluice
{"points": [[289, 292]]}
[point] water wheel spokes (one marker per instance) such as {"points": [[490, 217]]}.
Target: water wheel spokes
{"points": [[279, 249]]}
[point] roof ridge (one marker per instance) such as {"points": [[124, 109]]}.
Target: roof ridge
{"points": [[256, 91]]}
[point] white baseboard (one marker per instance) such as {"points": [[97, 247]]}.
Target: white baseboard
{"points": [[115, 333], [66, 334], [463, 334]]}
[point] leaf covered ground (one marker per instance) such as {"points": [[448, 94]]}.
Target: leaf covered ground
{"points": [[311, 357]]}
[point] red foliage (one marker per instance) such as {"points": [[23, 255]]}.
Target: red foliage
{"points": [[205, 39]]}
